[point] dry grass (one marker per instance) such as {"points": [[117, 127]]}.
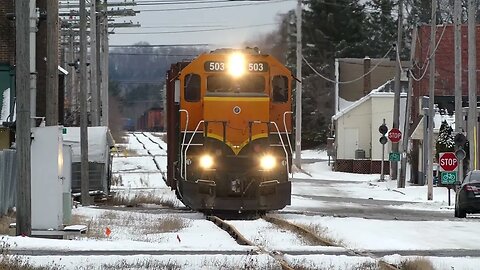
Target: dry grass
{"points": [[322, 233], [416, 264], [140, 224], [140, 199], [142, 264], [13, 262], [121, 150], [5, 223], [119, 136], [117, 180]]}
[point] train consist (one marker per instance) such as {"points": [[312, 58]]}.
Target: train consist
{"points": [[151, 120], [229, 126]]}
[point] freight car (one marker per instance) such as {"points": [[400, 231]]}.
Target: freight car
{"points": [[151, 120], [228, 131]]}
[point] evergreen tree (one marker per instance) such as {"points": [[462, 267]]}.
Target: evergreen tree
{"points": [[445, 142], [382, 27]]}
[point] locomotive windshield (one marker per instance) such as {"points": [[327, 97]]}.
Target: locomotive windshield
{"points": [[223, 83]]}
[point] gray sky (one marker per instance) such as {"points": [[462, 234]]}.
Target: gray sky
{"points": [[250, 21]]}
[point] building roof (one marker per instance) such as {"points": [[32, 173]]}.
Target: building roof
{"points": [[385, 90]]}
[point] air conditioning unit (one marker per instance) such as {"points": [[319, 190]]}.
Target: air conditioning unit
{"points": [[359, 154]]}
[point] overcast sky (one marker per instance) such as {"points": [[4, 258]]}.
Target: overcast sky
{"points": [[248, 20]]}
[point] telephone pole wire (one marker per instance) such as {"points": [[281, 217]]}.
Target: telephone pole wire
{"points": [[298, 91], [22, 74]]}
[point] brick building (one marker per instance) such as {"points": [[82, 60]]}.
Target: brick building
{"points": [[444, 78], [444, 66]]}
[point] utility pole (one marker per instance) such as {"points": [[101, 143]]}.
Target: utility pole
{"points": [[83, 107], [396, 99], [431, 94], [298, 93], [33, 63], [95, 116], [406, 129], [22, 71], [52, 64], [105, 66], [457, 9], [98, 30], [472, 84], [458, 66]]}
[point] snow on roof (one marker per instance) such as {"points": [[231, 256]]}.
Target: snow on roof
{"points": [[377, 92], [99, 143]]}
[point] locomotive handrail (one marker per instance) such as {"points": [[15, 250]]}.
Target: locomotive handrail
{"points": [[283, 145], [188, 145], [285, 125], [183, 141]]}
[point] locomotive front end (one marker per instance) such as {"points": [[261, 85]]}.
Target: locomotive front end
{"points": [[235, 151]]}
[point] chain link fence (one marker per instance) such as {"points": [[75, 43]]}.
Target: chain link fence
{"points": [[8, 183]]}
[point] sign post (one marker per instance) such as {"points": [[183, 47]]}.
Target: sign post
{"points": [[383, 140], [448, 165]]}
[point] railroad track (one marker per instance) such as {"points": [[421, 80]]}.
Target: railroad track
{"points": [[148, 150], [296, 229]]}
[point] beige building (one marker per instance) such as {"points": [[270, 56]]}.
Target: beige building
{"points": [[350, 69]]}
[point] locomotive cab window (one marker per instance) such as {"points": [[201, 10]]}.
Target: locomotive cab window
{"points": [[192, 87], [224, 84], [280, 89]]}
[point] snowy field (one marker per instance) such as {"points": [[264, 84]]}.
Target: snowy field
{"points": [[148, 229]]}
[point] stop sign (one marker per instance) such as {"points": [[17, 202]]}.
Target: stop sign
{"points": [[395, 135], [447, 161]]}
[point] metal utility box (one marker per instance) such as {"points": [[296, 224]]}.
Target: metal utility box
{"points": [[99, 159], [47, 178], [6, 136], [67, 183]]}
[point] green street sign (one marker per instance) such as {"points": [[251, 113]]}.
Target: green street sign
{"points": [[449, 178], [394, 156]]}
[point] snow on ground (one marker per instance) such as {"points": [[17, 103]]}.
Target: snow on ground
{"points": [[139, 175]]}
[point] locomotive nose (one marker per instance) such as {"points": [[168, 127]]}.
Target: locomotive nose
{"points": [[236, 120]]}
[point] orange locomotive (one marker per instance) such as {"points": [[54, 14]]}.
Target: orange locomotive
{"points": [[228, 131]]}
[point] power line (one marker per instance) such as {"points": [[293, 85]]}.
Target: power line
{"points": [[200, 30], [159, 45], [350, 81], [156, 54], [213, 7]]}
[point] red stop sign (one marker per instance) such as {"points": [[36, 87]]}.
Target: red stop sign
{"points": [[395, 135], [447, 161]]}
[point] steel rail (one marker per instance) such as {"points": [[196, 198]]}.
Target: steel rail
{"points": [[240, 239], [326, 242]]}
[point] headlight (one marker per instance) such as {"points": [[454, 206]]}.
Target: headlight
{"points": [[236, 65], [206, 161], [268, 162]]}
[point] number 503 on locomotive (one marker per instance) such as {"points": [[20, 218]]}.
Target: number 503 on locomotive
{"points": [[229, 123]]}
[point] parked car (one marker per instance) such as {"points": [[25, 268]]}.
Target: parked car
{"points": [[468, 195]]}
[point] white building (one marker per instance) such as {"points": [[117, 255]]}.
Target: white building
{"points": [[357, 145]]}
